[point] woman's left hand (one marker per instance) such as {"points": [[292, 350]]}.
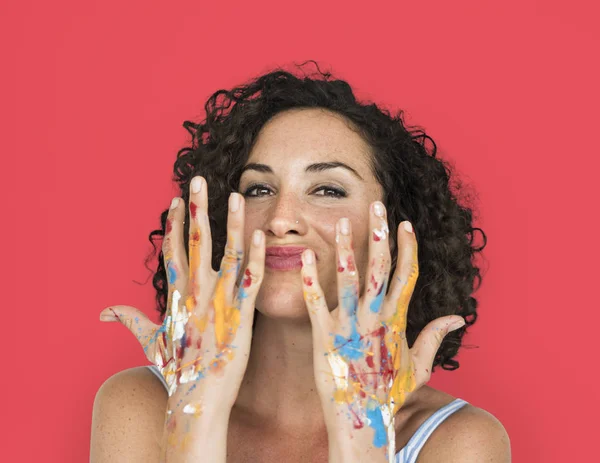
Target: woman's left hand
{"points": [[364, 369]]}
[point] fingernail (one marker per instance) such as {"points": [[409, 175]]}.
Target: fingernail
{"points": [[234, 202], [345, 226], [378, 209], [107, 316], [196, 185], [256, 238], [408, 226], [174, 203], [309, 257], [456, 325]]}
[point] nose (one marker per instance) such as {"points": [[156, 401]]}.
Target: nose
{"points": [[285, 217]]}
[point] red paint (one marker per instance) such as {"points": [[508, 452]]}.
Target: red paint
{"points": [[340, 269], [351, 266], [308, 281], [188, 337], [357, 423], [199, 343], [248, 279], [375, 237], [169, 226], [196, 236], [370, 361], [193, 209], [373, 281]]}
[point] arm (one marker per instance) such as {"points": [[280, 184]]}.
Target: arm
{"points": [[129, 426], [189, 438]]}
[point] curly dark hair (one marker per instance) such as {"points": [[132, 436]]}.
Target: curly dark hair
{"points": [[415, 182]]}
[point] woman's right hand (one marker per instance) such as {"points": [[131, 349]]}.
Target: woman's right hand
{"points": [[203, 345]]}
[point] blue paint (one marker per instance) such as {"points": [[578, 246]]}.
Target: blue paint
{"points": [[172, 273], [242, 294], [183, 339], [377, 303], [350, 301], [376, 422], [350, 348]]}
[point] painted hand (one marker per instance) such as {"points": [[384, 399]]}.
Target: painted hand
{"points": [[363, 366], [202, 346]]}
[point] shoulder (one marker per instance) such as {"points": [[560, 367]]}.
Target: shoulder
{"points": [[128, 417], [470, 434]]}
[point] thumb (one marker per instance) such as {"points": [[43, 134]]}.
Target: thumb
{"points": [[138, 323], [429, 341]]}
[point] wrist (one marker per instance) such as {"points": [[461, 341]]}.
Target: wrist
{"points": [[351, 442], [192, 434]]}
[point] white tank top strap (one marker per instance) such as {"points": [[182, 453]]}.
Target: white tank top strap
{"points": [[410, 452], [154, 369]]}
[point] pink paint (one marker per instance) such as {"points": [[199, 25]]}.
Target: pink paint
{"points": [[308, 281], [375, 237]]}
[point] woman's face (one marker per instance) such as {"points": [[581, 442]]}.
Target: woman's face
{"points": [[297, 203]]}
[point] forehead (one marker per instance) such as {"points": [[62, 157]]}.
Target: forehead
{"points": [[298, 137]]}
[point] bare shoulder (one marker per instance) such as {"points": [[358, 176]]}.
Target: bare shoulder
{"points": [[128, 417], [470, 434]]}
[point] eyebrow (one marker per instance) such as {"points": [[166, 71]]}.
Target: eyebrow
{"points": [[311, 168]]}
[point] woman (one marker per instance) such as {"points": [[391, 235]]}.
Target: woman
{"points": [[302, 347]]}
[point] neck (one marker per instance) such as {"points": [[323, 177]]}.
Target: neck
{"points": [[279, 384]]}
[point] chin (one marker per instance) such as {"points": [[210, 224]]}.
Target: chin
{"points": [[281, 300]]}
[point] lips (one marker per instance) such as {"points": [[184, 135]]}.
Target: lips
{"points": [[284, 257]]}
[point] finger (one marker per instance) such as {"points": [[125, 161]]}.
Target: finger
{"points": [[227, 315], [173, 250], [313, 294], [200, 249], [347, 274], [405, 277], [147, 333], [428, 343], [252, 277], [379, 265]]}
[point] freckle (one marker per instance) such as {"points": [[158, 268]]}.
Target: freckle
{"points": [[308, 281], [193, 208]]}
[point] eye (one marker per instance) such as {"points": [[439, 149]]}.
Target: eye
{"points": [[255, 191], [332, 192], [256, 186]]}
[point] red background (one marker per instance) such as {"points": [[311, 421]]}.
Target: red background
{"points": [[94, 94]]}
